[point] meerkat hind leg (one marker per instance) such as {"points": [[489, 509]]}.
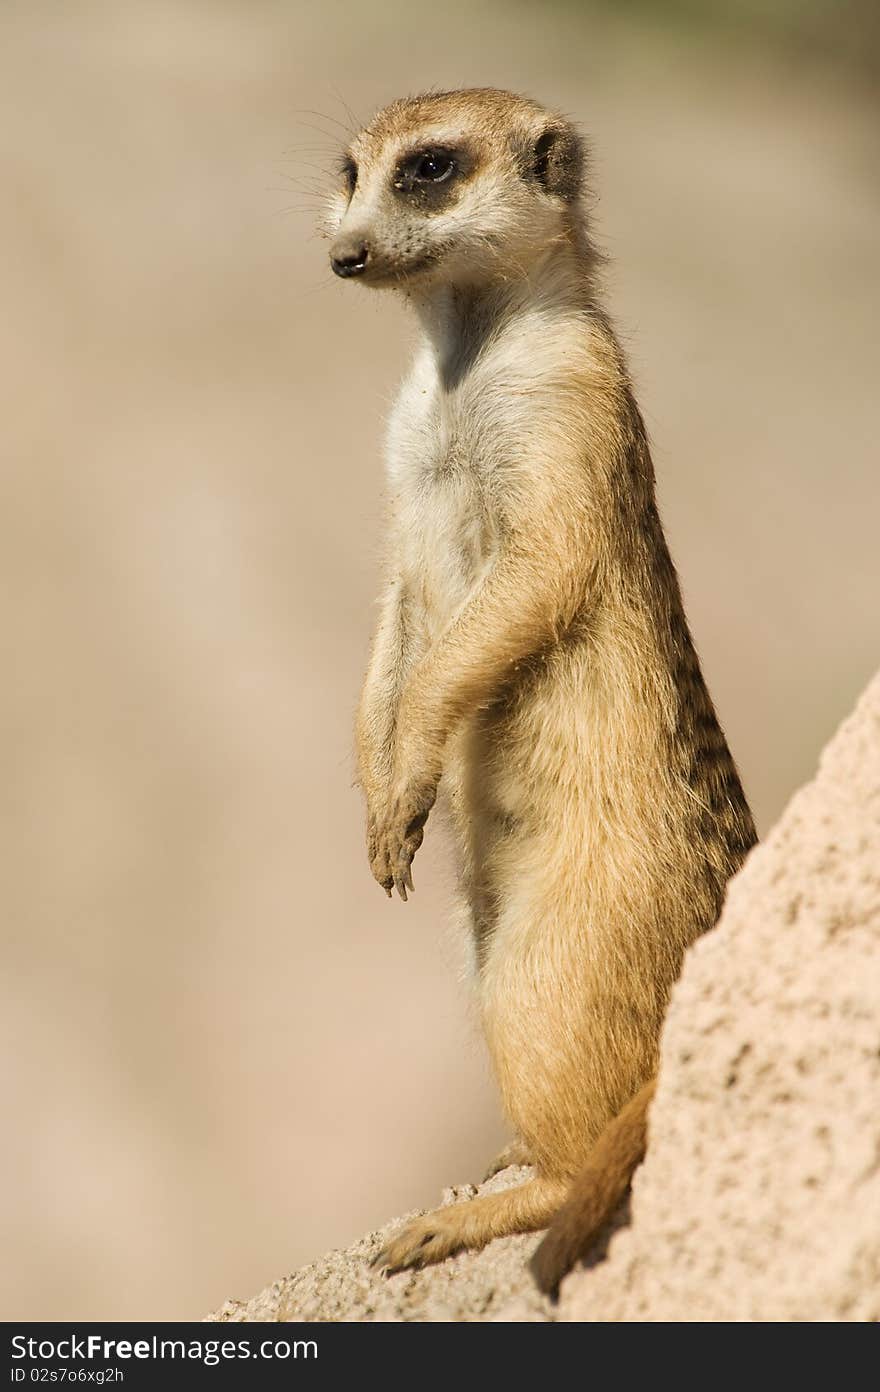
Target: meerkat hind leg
{"points": [[525, 1208], [515, 1153]]}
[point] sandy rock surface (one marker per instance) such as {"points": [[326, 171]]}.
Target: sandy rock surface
{"points": [[760, 1196], [342, 1285]]}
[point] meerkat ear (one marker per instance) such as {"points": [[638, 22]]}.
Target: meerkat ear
{"points": [[557, 161]]}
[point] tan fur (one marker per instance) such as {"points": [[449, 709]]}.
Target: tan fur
{"points": [[532, 661], [595, 1193]]}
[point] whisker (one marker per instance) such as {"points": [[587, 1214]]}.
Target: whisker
{"points": [[281, 212], [358, 124], [305, 111], [291, 151], [325, 170], [312, 290]]}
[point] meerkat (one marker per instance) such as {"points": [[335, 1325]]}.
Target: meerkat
{"points": [[532, 664]]}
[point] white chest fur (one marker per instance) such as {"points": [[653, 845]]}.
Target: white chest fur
{"points": [[454, 445], [445, 531]]}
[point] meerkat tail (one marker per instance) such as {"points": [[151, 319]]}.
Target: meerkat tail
{"points": [[596, 1191]]}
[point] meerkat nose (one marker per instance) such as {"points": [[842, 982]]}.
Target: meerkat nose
{"points": [[349, 258]]}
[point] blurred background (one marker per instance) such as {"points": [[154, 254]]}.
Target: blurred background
{"points": [[224, 1050]]}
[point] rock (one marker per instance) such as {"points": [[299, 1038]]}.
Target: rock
{"points": [[760, 1195], [342, 1286]]}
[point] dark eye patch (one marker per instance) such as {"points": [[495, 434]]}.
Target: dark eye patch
{"points": [[431, 175], [349, 171], [425, 167]]}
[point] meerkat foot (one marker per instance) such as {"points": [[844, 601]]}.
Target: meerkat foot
{"points": [[516, 1153], [471, 1225], [422, 1242]]}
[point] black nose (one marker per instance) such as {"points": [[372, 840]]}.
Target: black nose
{"points": [[350, 260]]}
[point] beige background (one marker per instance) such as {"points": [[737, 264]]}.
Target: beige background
{"points": [[223, 1050]]}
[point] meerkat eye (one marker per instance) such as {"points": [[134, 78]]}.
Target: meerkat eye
{"points": [[433, 167], [427, 167], [349, 171]]}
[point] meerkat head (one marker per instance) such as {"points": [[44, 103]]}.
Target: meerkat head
{"points": [[455, 187]]}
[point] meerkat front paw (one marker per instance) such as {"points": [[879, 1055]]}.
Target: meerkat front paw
{"points": [[394, 839], [424, 1241]]}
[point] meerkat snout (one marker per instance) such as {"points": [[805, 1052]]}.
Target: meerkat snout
{"points": [[349, 256]]}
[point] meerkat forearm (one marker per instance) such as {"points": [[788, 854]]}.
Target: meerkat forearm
{"points": [[389, 666], [536, 586]]}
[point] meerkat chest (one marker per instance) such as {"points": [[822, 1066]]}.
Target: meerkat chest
{"points": [[446, 530]]}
